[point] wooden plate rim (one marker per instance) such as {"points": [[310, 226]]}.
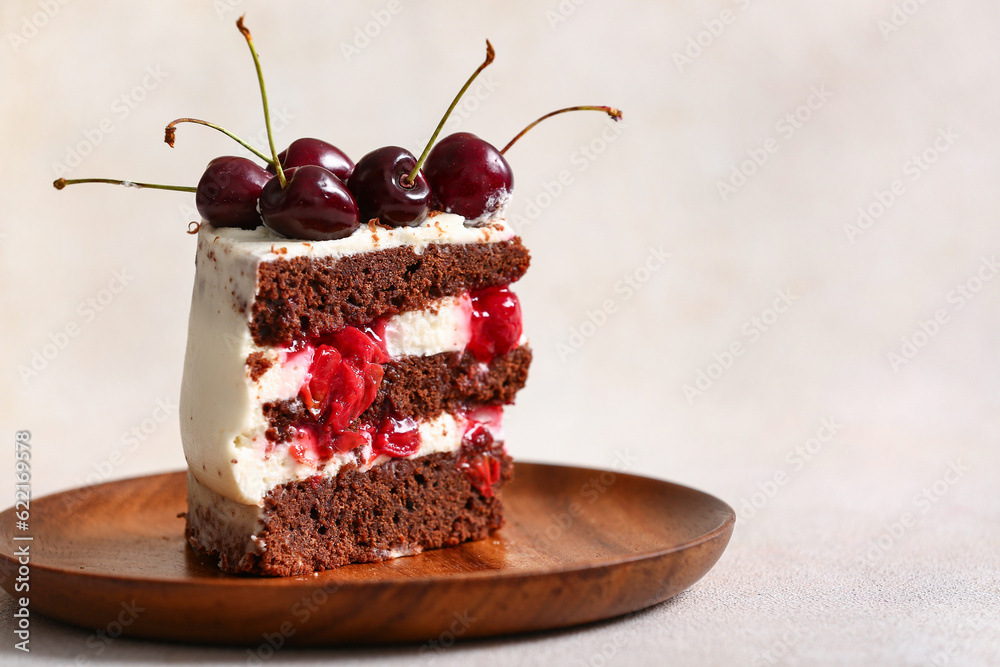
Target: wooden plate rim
{"points": [[311, 580]]}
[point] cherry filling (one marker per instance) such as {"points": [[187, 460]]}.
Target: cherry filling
{"points": [[343, 380], [345, 373], [476, 456], [495, 324], [398, 436]]}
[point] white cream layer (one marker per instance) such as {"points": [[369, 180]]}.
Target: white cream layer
{"points": [[264, 244], [222, 424], [445, 326], [256, 472]]}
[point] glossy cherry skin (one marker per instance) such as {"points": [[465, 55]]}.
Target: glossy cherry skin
{"points": [[495, 323], [468, 176], [228, 191], [377, 186], [398, 436], [302, 152], [314, 206]]}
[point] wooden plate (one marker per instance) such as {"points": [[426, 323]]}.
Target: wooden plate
{"points": [[579, 546]]}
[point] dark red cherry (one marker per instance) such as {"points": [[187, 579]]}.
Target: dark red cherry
{"points": [[302, 152], [496, 322], [468, 176], [314, 206], [228, 191], [478, 438], [379, 187]]}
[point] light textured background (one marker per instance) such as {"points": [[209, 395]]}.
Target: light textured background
{"points": [[816, 572]]}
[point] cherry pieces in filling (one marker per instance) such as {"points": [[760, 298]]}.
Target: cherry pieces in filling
{"points": [[495, 324], [346, 372], [476, 456]]}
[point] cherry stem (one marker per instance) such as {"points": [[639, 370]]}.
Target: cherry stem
{"points": [[490, 54], [615, 114], [170, 134], [60, 183], [263, 96]]}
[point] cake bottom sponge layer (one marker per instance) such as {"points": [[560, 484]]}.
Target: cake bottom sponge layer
{"points": [[398, 508]]}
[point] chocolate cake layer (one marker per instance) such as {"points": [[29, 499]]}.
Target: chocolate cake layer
{"points": [[257, 365], [303, 298], [400, 507], [422, 388]]}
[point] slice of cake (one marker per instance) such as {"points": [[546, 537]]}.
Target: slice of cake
{"points": [[341, 399], [351, 343]]}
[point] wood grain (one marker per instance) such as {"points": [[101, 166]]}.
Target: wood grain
{"points": [[580, 546]]}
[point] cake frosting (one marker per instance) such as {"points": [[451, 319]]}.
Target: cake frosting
{"points": [[222, 424]]}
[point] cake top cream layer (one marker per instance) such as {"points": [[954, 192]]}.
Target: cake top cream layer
{"points": [[265, 245]]}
